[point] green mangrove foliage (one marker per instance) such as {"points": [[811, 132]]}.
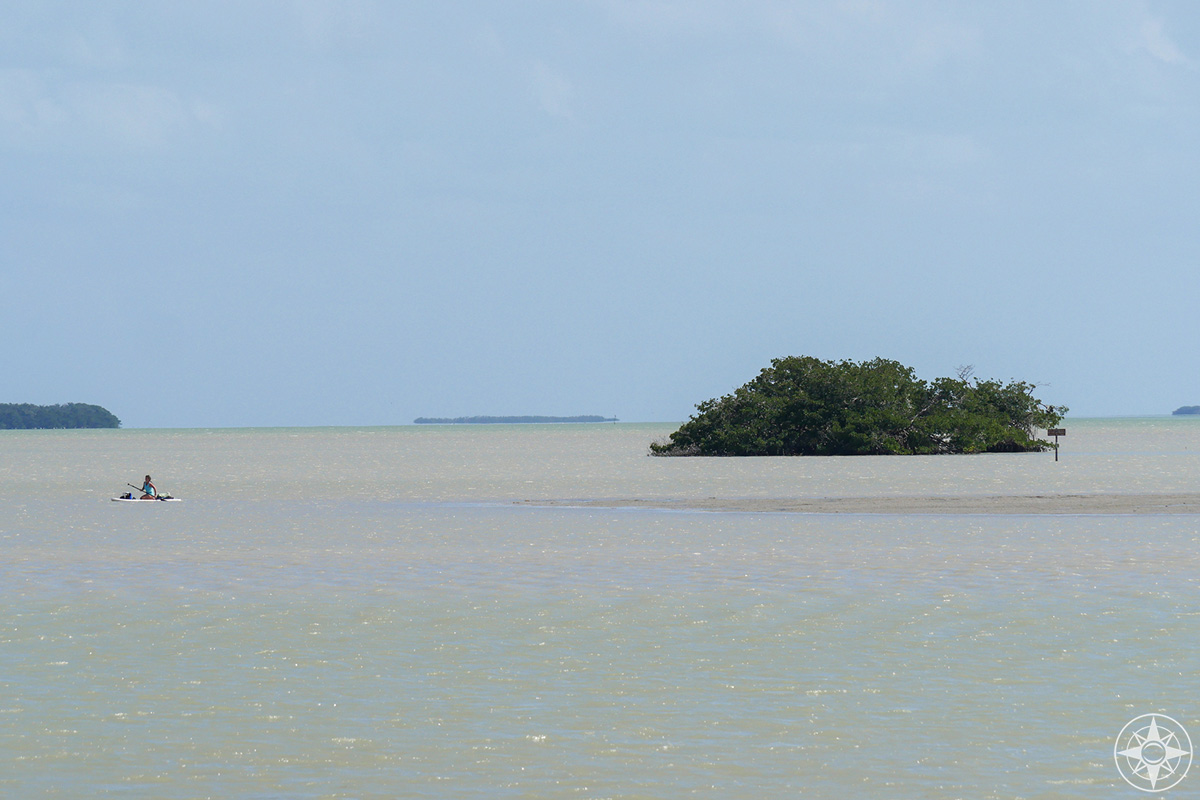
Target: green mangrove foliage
{"points": [[806, 406], [70, 415]]}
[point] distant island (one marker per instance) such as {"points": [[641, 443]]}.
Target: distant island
{"points": [[25, 416], [506, 420], [1187, 410], [807, 406]]}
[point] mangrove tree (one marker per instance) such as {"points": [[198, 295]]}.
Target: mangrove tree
{"points": [[806, 406]]}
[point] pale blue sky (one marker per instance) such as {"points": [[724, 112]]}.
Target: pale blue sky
{"points": [[311, 213]]}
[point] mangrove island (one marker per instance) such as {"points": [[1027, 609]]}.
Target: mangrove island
{"points": [[24, 416], [805, 406]]}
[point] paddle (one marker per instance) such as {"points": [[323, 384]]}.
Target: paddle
{"points": [[156, 497]]}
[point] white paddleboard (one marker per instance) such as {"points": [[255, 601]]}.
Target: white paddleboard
{"points": [[147, 502]]}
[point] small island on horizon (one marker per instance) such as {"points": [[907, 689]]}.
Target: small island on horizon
{"points": [[26, 416], [506, 420], [1186, 410]]}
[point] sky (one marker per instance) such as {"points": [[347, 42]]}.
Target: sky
{"points": [[347, 212]]}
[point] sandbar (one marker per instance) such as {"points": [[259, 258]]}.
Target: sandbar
{"points": [[962, 504]]}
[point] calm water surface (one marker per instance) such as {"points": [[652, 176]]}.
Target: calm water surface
{"points": [[368, 613]]}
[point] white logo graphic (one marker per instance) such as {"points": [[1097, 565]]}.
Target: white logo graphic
{"points": [[1153, 752]]}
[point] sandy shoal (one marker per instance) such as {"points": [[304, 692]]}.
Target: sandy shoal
{"points": [[977, 504]]}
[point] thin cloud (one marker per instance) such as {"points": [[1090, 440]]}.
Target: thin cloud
{"points": [[32, 113], [26, 113], [928, 31], [329, 22], [137, 116], [1154, 40], [672, 17], [554, 91]]}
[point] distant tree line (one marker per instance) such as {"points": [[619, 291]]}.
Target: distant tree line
{"points": [[1187, 410], [17, 416], [806, 406], [505, 420]]}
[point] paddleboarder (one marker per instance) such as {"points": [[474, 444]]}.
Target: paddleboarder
{"points": [[149, 492]]}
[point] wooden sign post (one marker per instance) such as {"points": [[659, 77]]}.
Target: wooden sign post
{"points": [[1056, 432]]}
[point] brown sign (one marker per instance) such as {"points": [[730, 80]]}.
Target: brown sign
{"points": [[1057, 432]]}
